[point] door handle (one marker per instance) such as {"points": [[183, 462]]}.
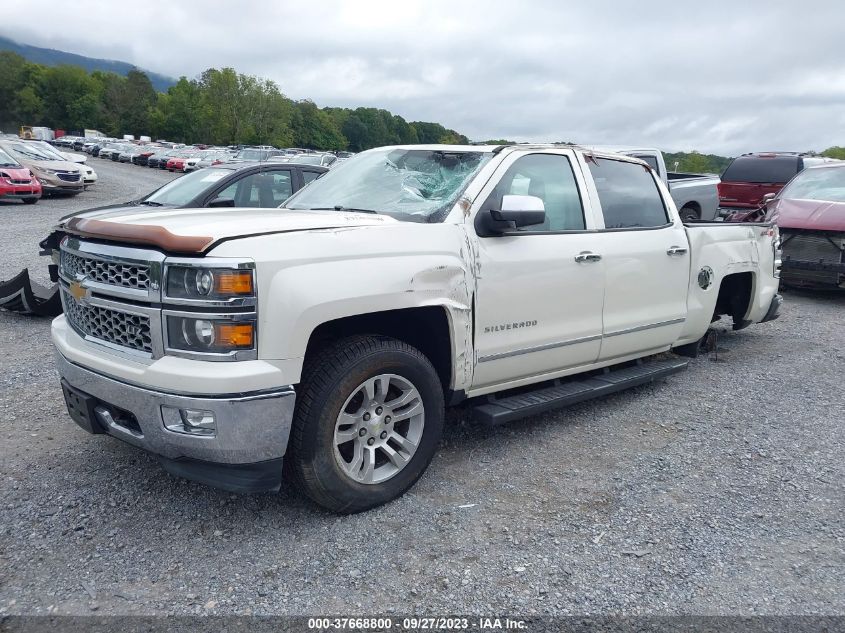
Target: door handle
{"points": [[676, 250], [587, 256]]}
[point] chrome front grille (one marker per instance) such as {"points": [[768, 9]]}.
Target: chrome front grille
{"points": [[111, 326], [105, 272]]}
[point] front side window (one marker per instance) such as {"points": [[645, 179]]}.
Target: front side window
{"points": [[263, 190], [308, 176], [282, 188], [628, 194], [550, 178], [181, 191]]}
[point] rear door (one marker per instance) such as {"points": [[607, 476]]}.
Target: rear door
{"points": [[646, 259]]}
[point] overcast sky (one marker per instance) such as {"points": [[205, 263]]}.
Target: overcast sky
{"points": [[725, 77]]}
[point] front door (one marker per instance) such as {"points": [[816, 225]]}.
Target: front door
{"points": [[539, 299]]}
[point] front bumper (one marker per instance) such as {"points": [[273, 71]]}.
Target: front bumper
{"points": [[61, 186], [245, 454], [19, 192]]}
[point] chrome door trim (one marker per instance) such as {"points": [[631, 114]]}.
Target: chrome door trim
{"points": [[649, 326], [538, 348]]}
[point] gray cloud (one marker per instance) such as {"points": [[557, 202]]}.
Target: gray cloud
{"points": [[727, 77]]}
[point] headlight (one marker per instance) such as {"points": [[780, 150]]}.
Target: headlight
{"points": [[210, 335], [44, 170], [209, 284]]}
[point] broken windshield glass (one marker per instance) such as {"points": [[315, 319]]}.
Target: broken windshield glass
{"points": [[408, 184]]}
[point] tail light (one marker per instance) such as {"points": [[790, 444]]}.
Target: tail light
{"points": [[777, 252]]}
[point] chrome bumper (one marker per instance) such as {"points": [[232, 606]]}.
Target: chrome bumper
{"points": [[250, 428]]}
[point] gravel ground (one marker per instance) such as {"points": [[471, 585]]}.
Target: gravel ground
{"points": [[717, 491]]}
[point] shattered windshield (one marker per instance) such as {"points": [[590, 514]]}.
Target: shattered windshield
{"points": [[417, 185]]}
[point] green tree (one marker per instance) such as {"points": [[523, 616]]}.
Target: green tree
{"points": [[834, 152]]}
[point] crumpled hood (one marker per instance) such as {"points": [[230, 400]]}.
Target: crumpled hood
{"points": [[194, 231], [813, 215]]}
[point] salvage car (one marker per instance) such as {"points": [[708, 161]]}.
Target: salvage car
{"points": [[810, 213], [329, 336], [17, 182], [55, 176], [89, 176]]}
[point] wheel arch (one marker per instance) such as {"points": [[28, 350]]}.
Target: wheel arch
{"points": [[427, 328], [736, 291]]}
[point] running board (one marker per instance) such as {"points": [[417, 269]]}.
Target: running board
{"points": [[498, 411]]}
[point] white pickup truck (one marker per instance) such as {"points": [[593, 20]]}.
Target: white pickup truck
{"points": [[328, 336]]}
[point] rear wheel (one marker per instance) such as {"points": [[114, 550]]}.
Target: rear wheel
{"points": [[688, 214], [368, 420]]}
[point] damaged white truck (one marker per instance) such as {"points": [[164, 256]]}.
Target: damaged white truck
{"points": [[323, 341]]}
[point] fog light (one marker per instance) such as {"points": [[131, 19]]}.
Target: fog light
{"points": [[190, 421]]}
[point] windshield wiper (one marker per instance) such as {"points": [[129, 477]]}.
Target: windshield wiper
{"points": [[150, 203], [339, 207]]}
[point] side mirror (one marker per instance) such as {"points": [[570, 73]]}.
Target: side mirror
{"points": [[515, 211], [768, 198], [221, 202]]}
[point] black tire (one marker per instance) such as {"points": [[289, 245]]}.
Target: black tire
{"points": [[30, 200], [329, 379], [688, 214]]}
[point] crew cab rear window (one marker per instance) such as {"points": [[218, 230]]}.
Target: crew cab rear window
{"points": [[628, 194], [761, 169]]}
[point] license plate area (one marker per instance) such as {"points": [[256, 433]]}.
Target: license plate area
{"points": [[80, 407]]}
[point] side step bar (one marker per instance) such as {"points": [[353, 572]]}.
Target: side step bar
{"points": [[498, 411]]}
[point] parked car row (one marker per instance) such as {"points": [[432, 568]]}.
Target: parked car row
{"points": [[178, 157], [34, 168]]}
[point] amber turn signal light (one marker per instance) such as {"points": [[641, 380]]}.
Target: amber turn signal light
{"points": [[233, 282], [235, 335]]}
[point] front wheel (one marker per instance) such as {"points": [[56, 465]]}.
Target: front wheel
{"points": [[30, 200], [368, 419]]}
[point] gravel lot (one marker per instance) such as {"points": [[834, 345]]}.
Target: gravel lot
{"points": [[718, 491]]}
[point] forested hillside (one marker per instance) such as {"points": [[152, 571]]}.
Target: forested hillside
{"points": [[221, 106]]}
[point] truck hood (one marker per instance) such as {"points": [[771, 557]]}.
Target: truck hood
{"points": [[812, 215], [195, 231]]}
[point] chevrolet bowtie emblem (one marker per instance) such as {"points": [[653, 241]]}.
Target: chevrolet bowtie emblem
{"points": [[78, 292]]}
